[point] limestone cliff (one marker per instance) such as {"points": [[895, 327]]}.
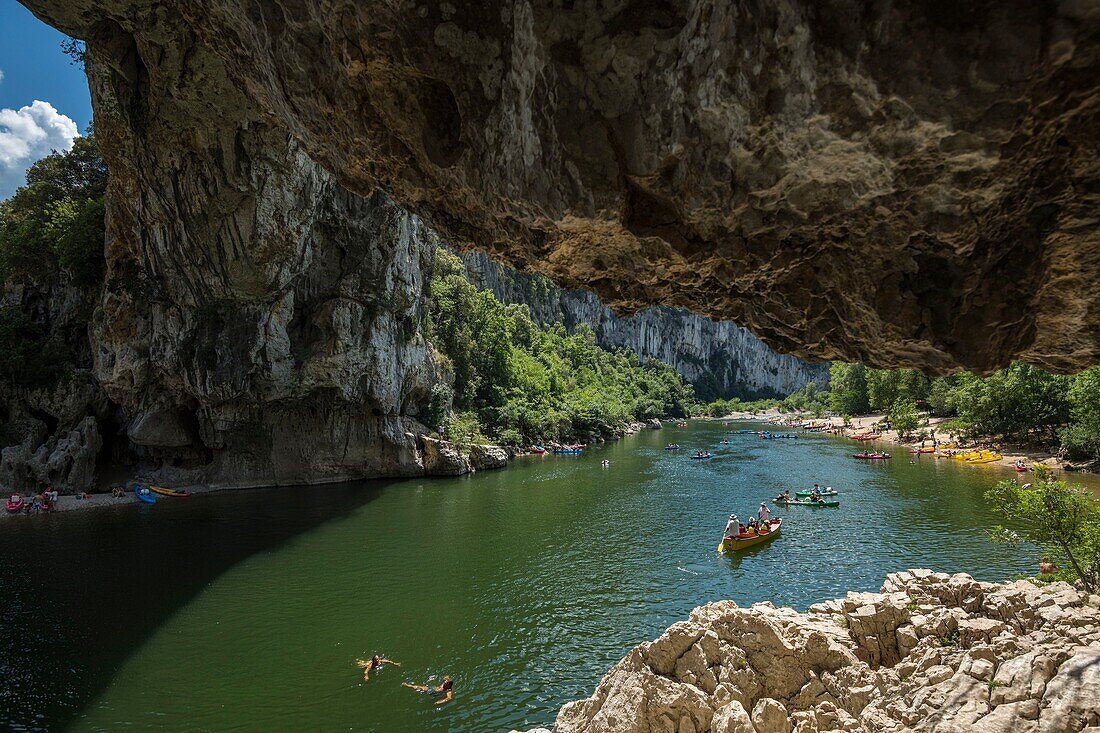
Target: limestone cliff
{"points": [[259, 323], [720, 358], [930, 652], [899, 183]]}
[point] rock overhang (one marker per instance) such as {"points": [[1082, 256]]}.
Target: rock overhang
{"points": [[899, 184]]}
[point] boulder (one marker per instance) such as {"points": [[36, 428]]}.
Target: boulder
{"points": [[443, 458], [807, 673], [485, 457]]}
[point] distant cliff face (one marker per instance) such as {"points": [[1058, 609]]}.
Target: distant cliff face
{"points": [[720, 358]]}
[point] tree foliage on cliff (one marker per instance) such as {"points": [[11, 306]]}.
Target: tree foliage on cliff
{"points": [[51, 236], [53, 226], [525, 383]]}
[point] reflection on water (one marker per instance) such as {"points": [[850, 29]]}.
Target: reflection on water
{"points": [[526, 585]]}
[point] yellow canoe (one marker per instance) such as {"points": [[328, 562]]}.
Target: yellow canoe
{"points": [[733, 544], [169, 492], [986, 458]]}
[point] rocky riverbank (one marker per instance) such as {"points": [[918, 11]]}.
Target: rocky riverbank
{"points": [[929, 652]]}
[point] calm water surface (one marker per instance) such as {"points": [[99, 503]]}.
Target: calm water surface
{"points": [[246, 610]]}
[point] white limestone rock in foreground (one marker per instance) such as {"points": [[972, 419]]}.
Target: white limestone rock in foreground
{"points": [[931, 652]]}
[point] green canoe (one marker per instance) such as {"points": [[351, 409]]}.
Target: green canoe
{"points": [[808, 503]]}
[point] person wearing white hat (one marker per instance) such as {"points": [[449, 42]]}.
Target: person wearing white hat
{"points": [[732, 527]]}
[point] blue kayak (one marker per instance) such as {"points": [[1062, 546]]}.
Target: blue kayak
{"points": [[142, 492]]}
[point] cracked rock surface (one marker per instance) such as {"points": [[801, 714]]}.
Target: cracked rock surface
{"points": [[899, 183], [930, 652]]}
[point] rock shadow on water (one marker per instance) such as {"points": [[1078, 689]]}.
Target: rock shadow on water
{"points": [[81, 591]]}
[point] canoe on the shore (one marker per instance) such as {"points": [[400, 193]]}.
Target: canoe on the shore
{"points": [[784, 502], [988, 458], [875, 436], [871, 456], [178, 493], [733, 544], [14, 503], [825, 492], [142, 492]]}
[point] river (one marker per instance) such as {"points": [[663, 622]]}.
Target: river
{"points": [[246, 610]]}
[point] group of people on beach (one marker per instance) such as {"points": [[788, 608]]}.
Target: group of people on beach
{"points": [[443, 692], [44, 500]]}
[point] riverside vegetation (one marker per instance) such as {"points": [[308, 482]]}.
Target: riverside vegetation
{"points": [[1020, 404], [516, 382]]}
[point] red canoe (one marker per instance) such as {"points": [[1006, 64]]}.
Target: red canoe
{"points": [[14, 504], [871, 456]]}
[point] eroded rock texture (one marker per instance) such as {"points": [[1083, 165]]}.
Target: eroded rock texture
{"points": [[259, 323], [720, 358], [931, 652], [900, 183], [55, 436]]}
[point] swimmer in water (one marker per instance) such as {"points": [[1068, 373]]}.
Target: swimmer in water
{"points": [[375, 662], [443, 692]]}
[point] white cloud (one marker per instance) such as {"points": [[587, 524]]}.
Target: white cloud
{"points": [[1, 75], [28, 134]]}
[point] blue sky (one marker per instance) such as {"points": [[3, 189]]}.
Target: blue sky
{"points": [[43, 96]]}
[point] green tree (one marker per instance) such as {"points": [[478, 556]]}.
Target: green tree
{"points": [[941, 396], [848, 388], [55, 222], [1082, 437], [882, 388], [1063, 519], [903, 416], [1021, 403]]}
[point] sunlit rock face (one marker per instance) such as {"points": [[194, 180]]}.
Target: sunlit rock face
{"points": [[720, 358], [897, 183], [931, 652]]}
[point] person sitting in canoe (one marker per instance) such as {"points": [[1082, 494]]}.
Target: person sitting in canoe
{"points": [[751, 529], [444, 692], [376, 662], [785, 496], [815, 491], [816, 498]]}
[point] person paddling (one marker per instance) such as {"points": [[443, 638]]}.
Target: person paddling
{"points": [[375, 662], [444, 692], [764, 513], [731, 529]]}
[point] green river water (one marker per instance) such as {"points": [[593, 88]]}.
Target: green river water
{"points": [[246, 610]]}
